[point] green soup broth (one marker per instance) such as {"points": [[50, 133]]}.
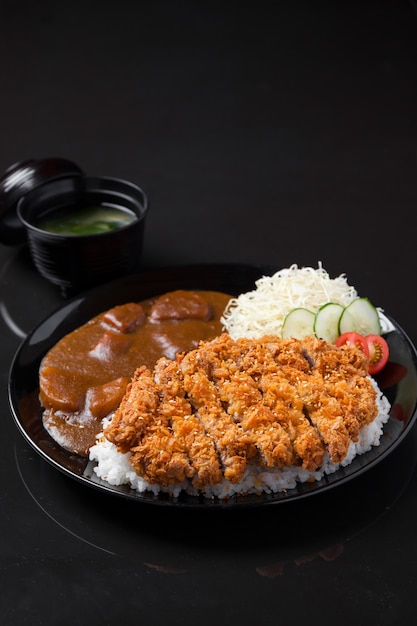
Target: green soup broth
{"points": [[90, 220]]}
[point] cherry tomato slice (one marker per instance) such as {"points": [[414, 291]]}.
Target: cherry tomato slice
{"points": [[378, 353], [353, 339]]}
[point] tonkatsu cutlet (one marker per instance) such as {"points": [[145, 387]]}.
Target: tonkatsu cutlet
{"points": [[212, 412]]}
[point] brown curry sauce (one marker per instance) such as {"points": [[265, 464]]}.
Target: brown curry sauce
{"points": [[83, 378]]}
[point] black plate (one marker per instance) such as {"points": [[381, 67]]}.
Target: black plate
{"points": [[398, 381]]}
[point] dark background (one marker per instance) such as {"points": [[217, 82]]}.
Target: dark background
{"points": [[271, 133], [267, 133]]}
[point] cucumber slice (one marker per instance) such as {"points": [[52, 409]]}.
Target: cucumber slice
{"points": [[298, 323], [326, 322], [360, 316]]}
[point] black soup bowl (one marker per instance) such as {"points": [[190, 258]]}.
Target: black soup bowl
{"points": [[76, 260]]}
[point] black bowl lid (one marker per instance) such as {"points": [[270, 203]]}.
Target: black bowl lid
{"points": [[17, 181]]}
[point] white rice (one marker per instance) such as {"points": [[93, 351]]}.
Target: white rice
{"points": [[114, 468]]}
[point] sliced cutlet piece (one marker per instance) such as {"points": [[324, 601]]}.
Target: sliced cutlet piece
{"points": [[279, 391], [326, 414], [326, 358], [244, 403], [234, 445], [343, 375], [288, 353], [357, 398], [140, 427], [136, 412], [188, 429], [160, 458]]}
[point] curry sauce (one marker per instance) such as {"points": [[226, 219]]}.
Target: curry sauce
{"points": [[84, 377]]}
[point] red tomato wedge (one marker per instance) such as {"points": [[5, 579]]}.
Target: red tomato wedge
{"points": [[374, 347], [378, 353], [353, 339]]}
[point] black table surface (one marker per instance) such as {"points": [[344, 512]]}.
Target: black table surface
{"points": [[266, 134]]}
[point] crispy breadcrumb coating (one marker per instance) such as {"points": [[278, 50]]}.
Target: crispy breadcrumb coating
{"points": [[210, 413]]}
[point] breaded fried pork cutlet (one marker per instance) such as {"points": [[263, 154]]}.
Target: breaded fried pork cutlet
{"points": [[228, 407]]}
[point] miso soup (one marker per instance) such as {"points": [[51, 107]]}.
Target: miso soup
{"points": [[89, 220]]}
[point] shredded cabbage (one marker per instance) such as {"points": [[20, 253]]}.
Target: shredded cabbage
{"points": [[263, 310]]}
